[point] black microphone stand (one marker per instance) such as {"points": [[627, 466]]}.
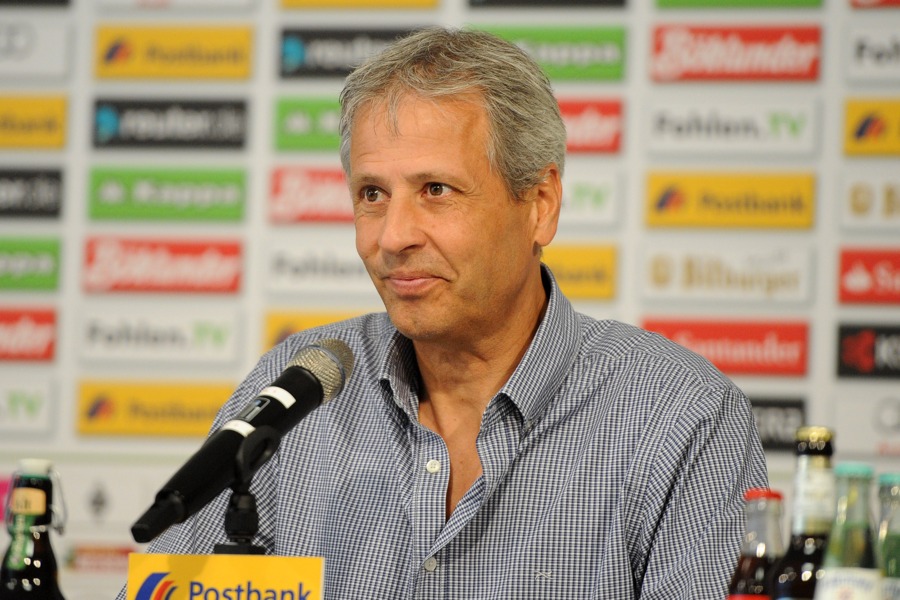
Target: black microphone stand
{"points": [[241, 518]]}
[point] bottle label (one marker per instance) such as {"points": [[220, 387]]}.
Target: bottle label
{"points": [[28, 501], [890, 588], [19, 546], [849, 583], [815, 498], [748, 597]]}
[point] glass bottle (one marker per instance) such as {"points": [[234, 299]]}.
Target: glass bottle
{"points": [[762, 544], [29, 569], [888, 548], [794, 575], [849, 571]]}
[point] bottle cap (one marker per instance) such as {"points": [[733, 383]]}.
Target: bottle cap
{"points": [[814, 433], [889, 479], [35, 466], [762, 494], [854, 469]]}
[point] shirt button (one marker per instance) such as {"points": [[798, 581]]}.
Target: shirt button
{"points": [[430, 564], [433, 466]]}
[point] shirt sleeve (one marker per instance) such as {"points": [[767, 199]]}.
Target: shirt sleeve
{"points": [[694, 519]]}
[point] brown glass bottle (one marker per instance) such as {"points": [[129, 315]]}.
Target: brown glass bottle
{"points": [[29, 569], [794, 576], [761, 546]]}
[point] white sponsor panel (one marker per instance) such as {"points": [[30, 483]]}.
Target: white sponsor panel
{"points": [[723, 128], [156, 4], [869, 420], [159, 336], [745, 274], [321, 262], [25, 408], [591, 196], [871, 200], [30, 50], [873, 54]]}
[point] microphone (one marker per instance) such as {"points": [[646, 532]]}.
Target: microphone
{"points": [[315, 375]]}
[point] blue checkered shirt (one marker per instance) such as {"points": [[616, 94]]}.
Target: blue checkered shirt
{"points": [[614, 466]]}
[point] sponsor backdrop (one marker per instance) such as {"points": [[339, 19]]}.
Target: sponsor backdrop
{"points": [[171, 206]]}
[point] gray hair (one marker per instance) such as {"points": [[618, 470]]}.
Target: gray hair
{"points": [[527, 133]]}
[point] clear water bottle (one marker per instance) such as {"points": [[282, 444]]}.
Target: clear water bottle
{"points": [[888, 547]]}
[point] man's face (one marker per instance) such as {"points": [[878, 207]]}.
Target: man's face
{"points": [[449, 251]]}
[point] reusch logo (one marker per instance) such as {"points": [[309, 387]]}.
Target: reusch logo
{"points": [[119, 51], [869, 351], [169, 124], [592, 125], [30, 192], [741, 347], [331, 52], [870, 276], [156, 587], [765, 53]]}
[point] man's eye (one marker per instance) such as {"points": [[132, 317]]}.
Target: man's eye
{"points": [[437, 189], [371, 194]]}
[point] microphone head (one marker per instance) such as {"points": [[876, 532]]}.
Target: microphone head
{"points": [[330, 361]]}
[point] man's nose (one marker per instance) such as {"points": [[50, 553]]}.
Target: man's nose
{"points": [[402, 225]]}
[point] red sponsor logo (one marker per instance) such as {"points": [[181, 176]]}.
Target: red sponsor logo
{"points": [[870, 276], [97, 558], [27, 334], [309, 194], [743, 348], [873, 3], [134, 265], [592, 125], [686, 53]]}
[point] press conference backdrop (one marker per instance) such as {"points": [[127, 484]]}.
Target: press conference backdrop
{"points": [[171, 206]]}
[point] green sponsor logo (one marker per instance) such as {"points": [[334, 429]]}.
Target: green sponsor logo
{"points": [[307, 124], [167, 194], [736, 3], [571, 53], [29, 264]]}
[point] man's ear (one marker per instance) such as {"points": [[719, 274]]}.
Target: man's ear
{"points": [[546, 199]]}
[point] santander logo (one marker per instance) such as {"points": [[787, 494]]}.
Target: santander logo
{"points": [[592, 125], [148, 265], [685, 53], [870, 276], [27, 334]]}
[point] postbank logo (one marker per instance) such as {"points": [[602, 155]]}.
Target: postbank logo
{"points": [[868, 350], [173, 52], [869, 276], [571, 53], [753, 200], [309, 195], [584, 272], [32, 122], [738, 274], [173, 194], [331, 52], [115, 264], [742, 347], [280, 325], [30, 192], [224, 577], [137, 408], [310, 124], [872, 127], [871, 200], [27, 334], [592, 125], [765, 53], [29, 263], [358, 3]]}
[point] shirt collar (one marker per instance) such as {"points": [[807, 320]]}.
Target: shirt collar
{"points": [[535, 380]]}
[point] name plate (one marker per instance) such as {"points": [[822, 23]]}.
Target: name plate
{"points": [[224, 576]]}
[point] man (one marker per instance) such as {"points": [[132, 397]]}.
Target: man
{"points": [[491, 443]]}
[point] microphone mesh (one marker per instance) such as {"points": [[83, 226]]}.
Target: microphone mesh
{"points": [[330, 361]]}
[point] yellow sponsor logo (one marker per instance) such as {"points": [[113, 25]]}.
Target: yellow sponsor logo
{"points": [[149, 409], [358, 3], [33, 122], [762, 200], [280, 325], [872, 127], [583, 272], [225, 577], [173, 52]]}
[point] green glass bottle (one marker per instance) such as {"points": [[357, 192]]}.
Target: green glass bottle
{"points": [[888, 547], [849, 571]]}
